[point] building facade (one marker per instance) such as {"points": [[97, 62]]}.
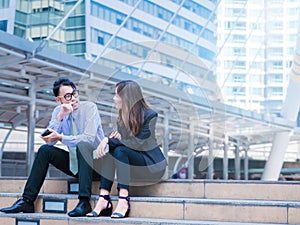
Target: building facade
{"points": [[172, 42], [256, 42], [7, 15], [175, 42]]}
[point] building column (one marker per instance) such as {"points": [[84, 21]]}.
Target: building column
{"points": [[210, 160], [246, 163], [225, 158], [31, 126], [237, 162], [166, 141], [191, 152], [289, 111]]}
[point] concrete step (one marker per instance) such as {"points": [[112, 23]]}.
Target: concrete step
{"points": [[206, 189], [59, 219], [189, 209]]}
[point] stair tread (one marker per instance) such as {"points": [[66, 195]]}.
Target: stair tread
{"points": [[173, 202], [182, 200], [129, 220]]}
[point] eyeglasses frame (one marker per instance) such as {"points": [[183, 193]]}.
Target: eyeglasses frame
{"points": [[75, 93]]}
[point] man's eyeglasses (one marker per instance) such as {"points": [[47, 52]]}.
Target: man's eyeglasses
{"points": [[68, 96]]}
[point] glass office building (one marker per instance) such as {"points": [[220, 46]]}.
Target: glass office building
{"points": [[172, 42], [256, 41], [175, 42], [7, 15]]}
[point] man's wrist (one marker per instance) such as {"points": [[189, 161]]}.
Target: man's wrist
{"points": [[59, 118]]}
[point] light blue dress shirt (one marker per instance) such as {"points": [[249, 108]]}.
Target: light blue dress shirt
{"points": [[88, 124]]}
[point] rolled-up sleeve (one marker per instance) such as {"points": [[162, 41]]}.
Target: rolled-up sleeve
{"points": [[88, 124]]}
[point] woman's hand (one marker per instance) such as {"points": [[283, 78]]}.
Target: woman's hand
{"points": [[54, 136], [115, 134], [101, 148]]}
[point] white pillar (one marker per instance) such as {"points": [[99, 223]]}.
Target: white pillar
{"points": [[31, 125], [191, 147], [210, 159], [289, 111], [225, 158], [237, 162], [166, 141], [246, 163]]}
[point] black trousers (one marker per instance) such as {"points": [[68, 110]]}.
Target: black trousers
{"points": [[130, 168], [59, 158]]}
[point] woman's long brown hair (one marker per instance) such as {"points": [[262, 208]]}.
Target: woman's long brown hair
{"points": [[133, 104]]}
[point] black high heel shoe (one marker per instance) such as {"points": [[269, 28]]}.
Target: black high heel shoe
{"points": [[117, 215], [104, 212]]}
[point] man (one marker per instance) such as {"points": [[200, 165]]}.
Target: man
{"points": [[78, 126]]}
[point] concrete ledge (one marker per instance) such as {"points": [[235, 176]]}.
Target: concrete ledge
{"points": [[210, 189], [258, 211], [253, 190], [59, 219]]}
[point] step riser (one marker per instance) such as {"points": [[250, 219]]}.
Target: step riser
{"points": [[204, 200], [251, 214], [209, 190], [12, 221], [196, 211], [49, 186], [285, 192]]}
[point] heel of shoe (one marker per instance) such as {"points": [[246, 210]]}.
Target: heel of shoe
{"points": [[127, 213], [106, 212], [117, 215]]}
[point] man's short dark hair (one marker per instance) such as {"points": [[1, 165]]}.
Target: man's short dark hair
{"points": [[62, 81]]}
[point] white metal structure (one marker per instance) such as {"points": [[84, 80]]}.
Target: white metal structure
{"points": [[289, 111], [186, 122]]}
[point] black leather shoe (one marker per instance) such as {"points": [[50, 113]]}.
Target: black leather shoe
{"points": [[20, 206], [82, 208]]}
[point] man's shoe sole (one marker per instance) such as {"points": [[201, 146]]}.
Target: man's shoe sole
{"points": [[28, 211], [11, 212]]}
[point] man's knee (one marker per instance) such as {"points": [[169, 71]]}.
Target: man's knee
{"points": [[44, 149]]}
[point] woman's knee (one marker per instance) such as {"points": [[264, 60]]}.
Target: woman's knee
{"points": [[120, 152]]}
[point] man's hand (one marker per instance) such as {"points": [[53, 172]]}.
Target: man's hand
{"points": [[54, 136], [65, 110]]}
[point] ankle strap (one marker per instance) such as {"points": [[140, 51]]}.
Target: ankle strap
{"points": [[127, 198], [107, 198]]}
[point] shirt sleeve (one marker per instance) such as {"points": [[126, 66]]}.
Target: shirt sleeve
{"points": [[87, 127], [54, 124]]}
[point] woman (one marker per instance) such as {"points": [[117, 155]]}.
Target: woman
{"points": [[133, 150]]}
